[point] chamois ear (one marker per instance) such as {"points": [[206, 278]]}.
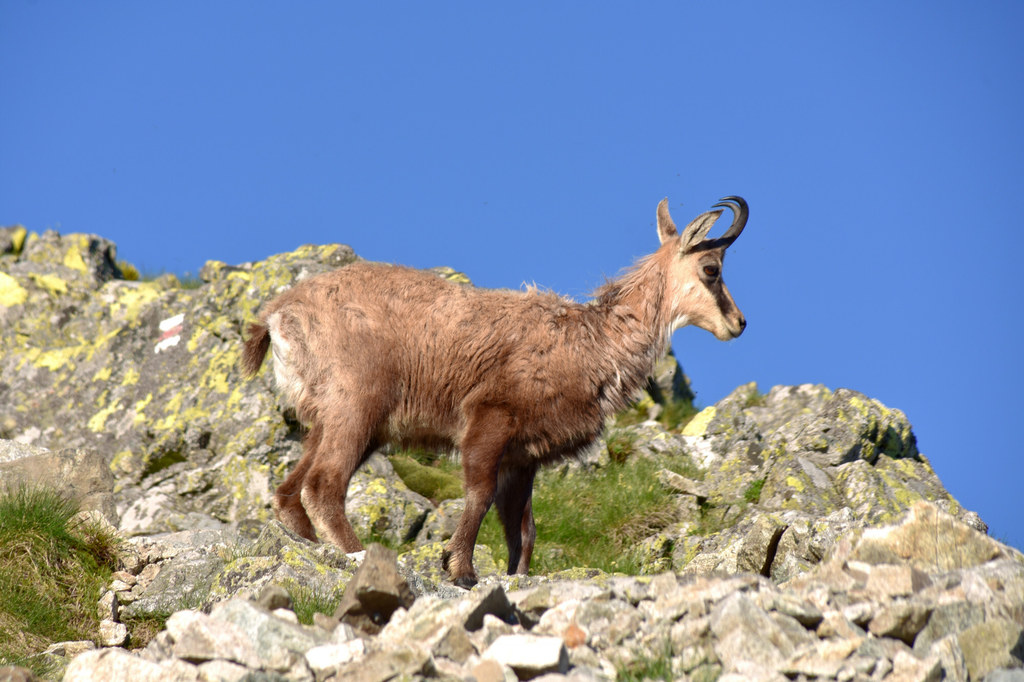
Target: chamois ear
{"points": [[698, 229], [666, 228]]}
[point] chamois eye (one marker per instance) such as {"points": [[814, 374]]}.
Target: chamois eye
{"points": [[711, 270]]}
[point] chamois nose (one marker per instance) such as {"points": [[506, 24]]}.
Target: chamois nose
{"points": [[741, 324]]}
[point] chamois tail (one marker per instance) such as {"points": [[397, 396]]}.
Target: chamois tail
{"points": [[255, 349]]}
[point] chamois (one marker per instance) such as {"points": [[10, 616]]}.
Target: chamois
{"points": [[374, 354]]}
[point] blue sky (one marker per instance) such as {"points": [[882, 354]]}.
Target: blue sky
{"points": [[879, 144]]}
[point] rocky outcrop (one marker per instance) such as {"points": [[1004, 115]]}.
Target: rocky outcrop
{"points": [[144, 372], [808, 538], [884, 604], [784, 474]]}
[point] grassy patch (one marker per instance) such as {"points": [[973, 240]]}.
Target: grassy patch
{"points": [[637, 413], [309, 600], [753, 492], [128, 271], [52, 572], [684, 465], [673, 415], [755, 399], [142, 630], [713, 518], [591, 519], [658, 667], [621, 444], [676, 414]]}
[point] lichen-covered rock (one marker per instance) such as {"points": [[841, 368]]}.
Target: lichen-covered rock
{"points": [[380, 505], [146, 372], [929, 539], [785, 474], [200, 568]]}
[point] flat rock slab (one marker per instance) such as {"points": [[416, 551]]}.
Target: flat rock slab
{"points": [[529, 655]]}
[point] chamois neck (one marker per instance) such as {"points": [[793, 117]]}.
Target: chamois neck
{"points": [[641, 294], [637, 325]]}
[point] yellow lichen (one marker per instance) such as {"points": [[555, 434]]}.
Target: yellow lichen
{"points": [[246, 477], [193, 343], [73, 258], [131, 376], [18, 235], [172, 410], [794, 482], [120, 462], [908, 466], [220, 366], [139, 407], [99, 420], [11, 293], [102, 374], [132, 299], [377, 486], [234, 399], [30, 355], [698, 426], [55, 285], [99, 342], [57, 358]]}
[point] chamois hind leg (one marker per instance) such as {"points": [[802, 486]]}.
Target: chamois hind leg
{"points": [[512, 500], [287, 500], [483, 445], [344, 445]]}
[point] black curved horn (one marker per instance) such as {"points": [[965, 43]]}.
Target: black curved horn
{"points": [[739, 208]]}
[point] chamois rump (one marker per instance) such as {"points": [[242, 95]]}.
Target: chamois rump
{"points": [[374, 354]]}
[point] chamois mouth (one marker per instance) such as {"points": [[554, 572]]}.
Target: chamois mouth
{"points": [[732, 331]]}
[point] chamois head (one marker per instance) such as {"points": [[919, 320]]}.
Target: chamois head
{"points": [[697, 293]]}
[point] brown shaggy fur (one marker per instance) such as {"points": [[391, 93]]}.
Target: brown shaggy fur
{"points": [[372, 354]]}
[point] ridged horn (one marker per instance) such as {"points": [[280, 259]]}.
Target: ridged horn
{"points": [[740, 212]]}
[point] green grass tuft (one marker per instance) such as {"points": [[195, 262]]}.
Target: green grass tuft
{"points": [[52, 572], [621, 444], [753, 492], [676, 414], [636, 413], [755, 399], [128, 271], [310, 600], [658, 667]]}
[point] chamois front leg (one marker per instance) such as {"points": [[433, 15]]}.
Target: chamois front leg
{"points": [[483, 446], [515, 488]]}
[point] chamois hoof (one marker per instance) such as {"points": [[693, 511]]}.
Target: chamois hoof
{"points": [[466, 582]]}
